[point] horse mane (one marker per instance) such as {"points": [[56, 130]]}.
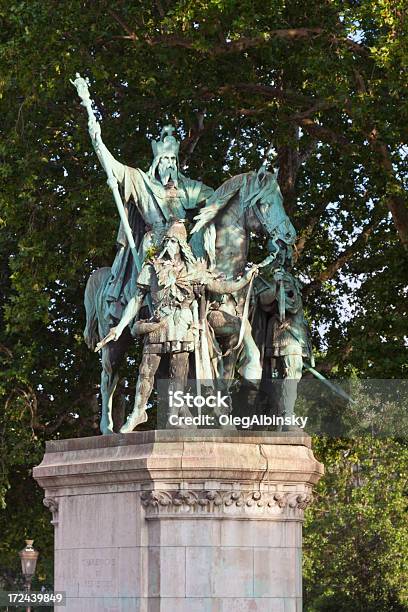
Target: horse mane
{"points": [[218, 201], [228, 190]]}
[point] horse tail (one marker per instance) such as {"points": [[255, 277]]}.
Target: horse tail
{"points": [[96, 281]]}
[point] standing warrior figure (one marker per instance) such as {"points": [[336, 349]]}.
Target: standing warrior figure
{"points": [[283, 335], [173, 278]]}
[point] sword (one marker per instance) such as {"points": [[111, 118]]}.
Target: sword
{"points": [[335, 388], [83, 92], [197, 335]]}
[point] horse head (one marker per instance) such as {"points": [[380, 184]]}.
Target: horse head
{"points": [[263, 205]]}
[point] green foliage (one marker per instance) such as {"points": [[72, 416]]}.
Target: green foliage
{"points": [[324, 82], [151, 252], [356, 533]]}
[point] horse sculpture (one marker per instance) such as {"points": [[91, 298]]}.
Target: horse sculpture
{"points": [[246, 204]]}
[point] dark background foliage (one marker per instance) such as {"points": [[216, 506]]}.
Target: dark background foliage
{"points": [[325, 84]]}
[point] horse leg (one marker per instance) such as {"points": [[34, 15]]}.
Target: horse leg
{"points": [[290, 372], [112, 355], [108, 386], [228, 325], [251, 370], [226, 328], [119, 405]]}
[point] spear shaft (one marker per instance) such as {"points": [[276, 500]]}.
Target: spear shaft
{"points": [[83, 92]]}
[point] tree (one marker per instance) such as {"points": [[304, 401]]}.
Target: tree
{"points": [[356, 532]]}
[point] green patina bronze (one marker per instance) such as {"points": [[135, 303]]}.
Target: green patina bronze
{"points": [[199, 291]]}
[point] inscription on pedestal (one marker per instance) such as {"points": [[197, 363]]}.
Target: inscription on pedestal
{"points": [[99, 575]]}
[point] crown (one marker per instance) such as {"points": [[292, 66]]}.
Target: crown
{"points": [[176, 229], [167, 143]]}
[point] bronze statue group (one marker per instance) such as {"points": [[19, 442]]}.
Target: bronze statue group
{"points": [[182, 285]]}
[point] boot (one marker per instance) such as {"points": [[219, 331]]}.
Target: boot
{"points": [[134, 419]]}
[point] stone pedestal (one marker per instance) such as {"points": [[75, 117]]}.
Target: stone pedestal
{"points": [[173, 520]]}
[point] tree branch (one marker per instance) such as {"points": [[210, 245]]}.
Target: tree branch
{"points": [[396, 199], [267, 91], [321, 105], [160, 9], [351, 44], [194, 136], [322, 133], [131, 35], [302, 119], [343, 258], [307, 151], [4, 349], [236, 46], [308, 229]]}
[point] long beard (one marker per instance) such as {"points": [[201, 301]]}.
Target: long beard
{"points": [[167, 175], [166, 254]]}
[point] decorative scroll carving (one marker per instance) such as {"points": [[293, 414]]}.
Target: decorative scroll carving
{"points": [[52, 504], [224, 503]]}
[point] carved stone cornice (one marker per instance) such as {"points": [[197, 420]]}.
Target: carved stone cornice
{"points": [[52, 504], [224, 504]]}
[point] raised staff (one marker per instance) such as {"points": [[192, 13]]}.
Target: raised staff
{"points": [[95, 132]]}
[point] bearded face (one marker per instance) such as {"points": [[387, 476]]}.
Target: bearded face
{"points": [[167, 169], [171, 248]]}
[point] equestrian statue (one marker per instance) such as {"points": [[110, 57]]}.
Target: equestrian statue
{"points": [[194, 298]]}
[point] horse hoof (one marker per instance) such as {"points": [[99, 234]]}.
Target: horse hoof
{"points": [[106, 427], [133, 421]]}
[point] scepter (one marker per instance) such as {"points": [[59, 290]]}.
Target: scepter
{"points": [[83, 92]]}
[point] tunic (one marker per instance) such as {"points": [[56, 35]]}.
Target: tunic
{"points": [[172, 297]]}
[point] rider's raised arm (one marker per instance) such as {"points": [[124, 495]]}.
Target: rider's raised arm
{"points": [[105, 157], [103, 153]]}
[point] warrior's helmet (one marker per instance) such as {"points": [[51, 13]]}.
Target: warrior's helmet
{"points": [[176, 229]]}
